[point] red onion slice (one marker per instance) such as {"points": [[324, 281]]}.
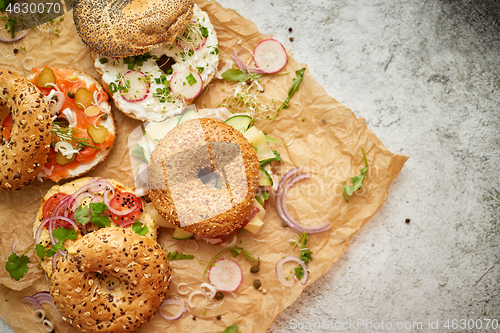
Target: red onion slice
{"points": [[43, 297], [237, 60], [15, 39], [283, 188], [13, 246], [173, 301], [79, 199], [279, 270], [30, 300], [53, 218]]}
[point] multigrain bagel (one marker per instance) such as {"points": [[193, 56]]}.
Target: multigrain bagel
{"points": [[117, 28], [178, 193], [139, 264], [24, 153]]}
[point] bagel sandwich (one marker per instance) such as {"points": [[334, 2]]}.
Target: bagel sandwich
{"points": [[82, 204], [154, 57], [83, 127], [210, 146]]}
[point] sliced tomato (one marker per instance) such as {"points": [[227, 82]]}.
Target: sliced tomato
{"points": [[49, 206], [124, 201], [7, 127]]}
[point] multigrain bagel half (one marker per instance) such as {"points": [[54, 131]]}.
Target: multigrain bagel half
{"points": [[182, 198], [58, 193], [140, 268], [70, 81], [123, 28], [24, 153]]}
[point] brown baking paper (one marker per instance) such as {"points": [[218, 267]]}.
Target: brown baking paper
{"points": [[316, 133]]}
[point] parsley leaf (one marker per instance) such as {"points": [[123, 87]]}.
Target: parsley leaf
{"points": [[139, 229], [293, 89], [204, 32], [234, 75], [61, 234], [357, 181], [299, 272], [40, 250], [82, 214], [17, 266], [179, 256]]}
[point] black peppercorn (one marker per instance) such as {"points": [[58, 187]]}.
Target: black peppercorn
{"points": [[16, 50]]}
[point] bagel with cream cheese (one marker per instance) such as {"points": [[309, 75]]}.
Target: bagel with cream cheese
{"points": [[154, 77], [25, 131], [178, 193], [83, 131], [138, 265], [67, 206]]}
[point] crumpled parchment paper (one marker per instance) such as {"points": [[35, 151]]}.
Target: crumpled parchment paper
{"points": [[316, 133]]}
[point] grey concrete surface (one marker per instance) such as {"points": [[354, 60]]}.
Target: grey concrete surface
{"points": [[425, 75]]}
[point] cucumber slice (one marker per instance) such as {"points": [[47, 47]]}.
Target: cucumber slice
{"points": [[190, 114], [240, 122], [264, 178], [180, 234], [259, 141]]}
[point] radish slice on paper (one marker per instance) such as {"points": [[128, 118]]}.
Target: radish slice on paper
{"points": [[192, 39], [225, 275], [137, 86], [270, 56], [186, 84]]}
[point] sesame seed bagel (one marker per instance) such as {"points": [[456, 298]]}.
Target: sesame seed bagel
{"points": [[138, 263], [68, 189], [118, 28], [24, 153], [181, 197]]}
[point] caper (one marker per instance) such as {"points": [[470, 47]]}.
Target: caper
{"points": [[257, 284], [53, 145], [104, 116], [255, 269], [71, 94], [219, 295]]}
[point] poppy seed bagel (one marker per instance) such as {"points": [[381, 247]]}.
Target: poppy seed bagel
{"points": [[181, 197], [24, 153], [140, 265], [123, 28]]}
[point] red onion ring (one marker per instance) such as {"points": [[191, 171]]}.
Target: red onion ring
{"points": [[36, 300], [237, 60], [13, 246], [30, 300], [174, 301], [79, 199], [15, 39], [283, 188], [279, 270], [52, 218]]}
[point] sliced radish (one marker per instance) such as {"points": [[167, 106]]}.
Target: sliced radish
{"points": [[270, 56], [225, 275], [192, 39], [186, 84], [137, 86]]}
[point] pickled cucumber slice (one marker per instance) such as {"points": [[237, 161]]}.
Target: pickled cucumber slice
{"points": [[46, 76], [83, 98], [98, 134], [63, 160], [240, 122]]}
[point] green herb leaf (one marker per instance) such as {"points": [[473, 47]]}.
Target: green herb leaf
{"points": [[17, 266], [231, 329], [191, 80], [82, 214], [103, 60], [293, 89], [269, 160], [179, 256], [139, 229], [113, 88], [299, 272], [234, 75], [40, 250], [357, 181], [62, 234], [200, 69], [269, 139], [204, 32]]}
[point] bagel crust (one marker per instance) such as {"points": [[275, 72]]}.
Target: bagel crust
{"points": [[24, 154], [180, 196], [123, 28], [139, 263]]}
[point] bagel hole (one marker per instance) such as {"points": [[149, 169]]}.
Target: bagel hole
{"points": [[210, 178], [165, 63], [111, 283]]}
